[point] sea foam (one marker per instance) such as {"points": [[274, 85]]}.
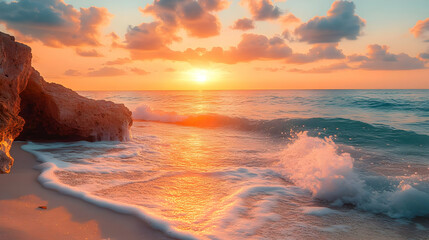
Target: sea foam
{"points": [[317, 165], [49, 180]]}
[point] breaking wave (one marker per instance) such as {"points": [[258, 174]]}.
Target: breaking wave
{"points": [[317, 165], [344, 130]]}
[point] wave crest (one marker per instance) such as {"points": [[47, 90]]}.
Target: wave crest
{"points": [[146, 113], [348, 131], [317, 165]]}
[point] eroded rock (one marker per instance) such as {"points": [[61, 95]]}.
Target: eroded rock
{"points": [[34, 109], [15, 68], [53, 112]]}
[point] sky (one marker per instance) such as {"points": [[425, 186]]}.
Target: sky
{"points": [[221, 44]]}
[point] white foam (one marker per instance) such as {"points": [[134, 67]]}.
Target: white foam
{"points": [[335, 228], [95, 152], [314, 164], [317, 165], [49, 180], [318, 211], [146, 113], [231, 224]]}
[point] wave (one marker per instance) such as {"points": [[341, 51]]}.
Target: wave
{"points": [[146, 113], [317, 165], [312, 164], [344, 130], [391, 104], [49, 180]]}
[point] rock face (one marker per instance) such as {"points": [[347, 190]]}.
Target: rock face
{"points": [[15, 68], [53, 112], [33, 109]]}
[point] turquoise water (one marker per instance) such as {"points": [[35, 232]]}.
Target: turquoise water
{"points": [[293, 164]]}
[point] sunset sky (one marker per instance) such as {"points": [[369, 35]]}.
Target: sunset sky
{"points": [[220, 44]]}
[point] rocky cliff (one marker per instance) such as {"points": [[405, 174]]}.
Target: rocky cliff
{"points": [[33, 109]]}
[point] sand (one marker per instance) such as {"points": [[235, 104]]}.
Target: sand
{"points": [[65, 217]]}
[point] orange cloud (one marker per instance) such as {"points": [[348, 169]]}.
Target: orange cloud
{"points": [[119, 61], [196, 17], [289, 19], [421, 28], [139, 71], [262, 9], [72, 72], [207, 25], [379, 58], [251, 47], [323, 69], [54, 22], [243, 24], [270, 69], [106, 72], [318, 52], [88, 53], [149, 36]]}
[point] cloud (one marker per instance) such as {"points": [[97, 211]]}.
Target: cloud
{"points": [[147, 36], [251, 47], [214, 5], [340, 22], [357, 58], [289, 19], [88, 53], [378, 58], [206, 25], [139, 71], [152, 40], [54, 22], [106, 72], [243, 24], [119, 61], [421, 28], [115, 40], [170, 70], [318, 52], [72, 73], [270, 69], [262, 9], [424, 56], [323, 69], [196, 17]]}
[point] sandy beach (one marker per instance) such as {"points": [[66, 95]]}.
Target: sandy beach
{"points": [[65, 217]]}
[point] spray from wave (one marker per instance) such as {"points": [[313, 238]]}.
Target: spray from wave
{"points": [[146, 113], [317, 165]]}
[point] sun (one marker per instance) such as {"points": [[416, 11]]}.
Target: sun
{"points": [[200, 75]]}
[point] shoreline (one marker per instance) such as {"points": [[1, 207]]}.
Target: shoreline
{"points": [[66, 217]]}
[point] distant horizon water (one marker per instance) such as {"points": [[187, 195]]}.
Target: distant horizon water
{"points": [[256, 89]]}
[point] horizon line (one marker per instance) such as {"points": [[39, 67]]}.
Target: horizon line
{"points": [[279, 89]]}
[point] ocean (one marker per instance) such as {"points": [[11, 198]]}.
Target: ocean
{"points": [[269, 164]]}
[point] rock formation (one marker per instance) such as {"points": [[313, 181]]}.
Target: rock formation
{"points": [[15, 68], [33, 109], [53, 112]]}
